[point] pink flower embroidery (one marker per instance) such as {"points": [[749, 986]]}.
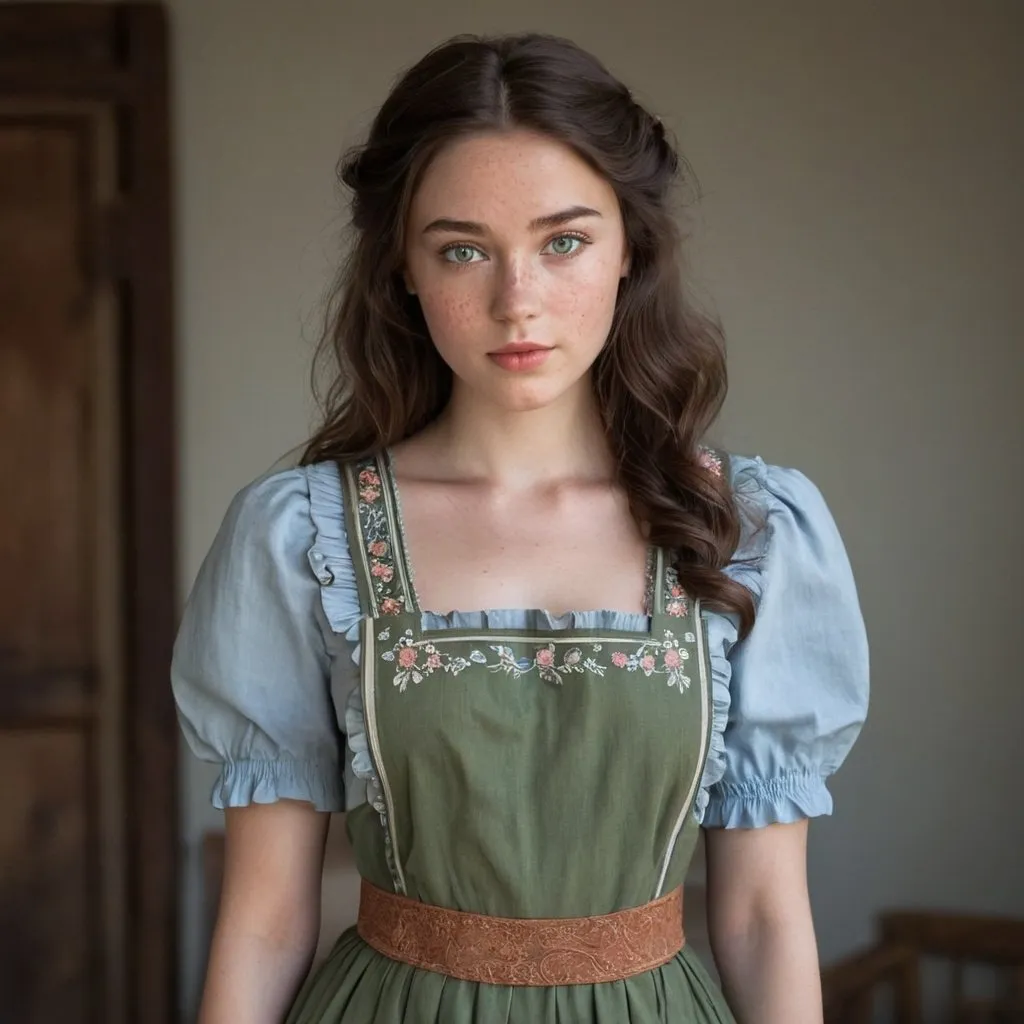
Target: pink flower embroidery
{"points": [[619, 660], [407, 657], [545, 657], [672, 658], [675, 590], [369, 494], [382, 571], [710, 462], [434, 661], [378, 548], [368, 478], [647, 663], [677, 608], [389, 606]]}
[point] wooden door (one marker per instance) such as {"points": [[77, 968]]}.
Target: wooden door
{"points": [[87, 737], [61, 754]]}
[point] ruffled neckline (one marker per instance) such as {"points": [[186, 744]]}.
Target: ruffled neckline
{"points": [[538, 619]]}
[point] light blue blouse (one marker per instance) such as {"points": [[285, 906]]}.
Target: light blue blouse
{"points": [[265, 667]]}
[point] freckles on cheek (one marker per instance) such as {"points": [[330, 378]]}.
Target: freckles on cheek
{"points": [[449, 312], [587, 302]]}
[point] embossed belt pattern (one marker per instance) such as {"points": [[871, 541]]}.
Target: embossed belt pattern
{"points": [[522, 951]]}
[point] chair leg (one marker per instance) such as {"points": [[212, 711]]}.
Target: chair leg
{"points": [[907, 991]]}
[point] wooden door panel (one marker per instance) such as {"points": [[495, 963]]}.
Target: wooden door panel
{"points": [[57, 671], [46, 396], [88, 738], [45, 911]]}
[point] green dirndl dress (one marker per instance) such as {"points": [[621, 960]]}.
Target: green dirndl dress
{"points": [[519, 773]]}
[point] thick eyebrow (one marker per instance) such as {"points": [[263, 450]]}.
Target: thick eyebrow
{"points": [[550, 220]]}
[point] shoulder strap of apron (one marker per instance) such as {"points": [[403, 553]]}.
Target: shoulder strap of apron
{"points": [[375, 535]]}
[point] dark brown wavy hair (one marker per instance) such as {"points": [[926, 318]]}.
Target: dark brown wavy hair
{"points": [[660, 378]]}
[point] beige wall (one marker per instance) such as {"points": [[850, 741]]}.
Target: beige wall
{"points": [[861, 239]]}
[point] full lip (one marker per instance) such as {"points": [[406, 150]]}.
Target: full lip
{"points": [[519, 346]]}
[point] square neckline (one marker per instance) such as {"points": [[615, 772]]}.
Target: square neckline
{"points": [[387, 467]]}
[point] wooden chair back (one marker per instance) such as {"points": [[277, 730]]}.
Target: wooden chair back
{"points": [[853, 988]]}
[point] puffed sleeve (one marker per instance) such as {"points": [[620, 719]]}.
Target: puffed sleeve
{"points": [[251, 668], [791, 697]]}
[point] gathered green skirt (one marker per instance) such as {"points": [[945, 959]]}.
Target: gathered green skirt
{"points": [[357, 985]]}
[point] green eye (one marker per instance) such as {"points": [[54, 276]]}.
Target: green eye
{"points": [[460, 253], [567, 245], [564, 245]]}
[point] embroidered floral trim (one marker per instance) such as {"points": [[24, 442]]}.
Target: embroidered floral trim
{"points": [[650, 579], [667, 658], [380, 549], [675, 597], [417, 659], [710, 461]]}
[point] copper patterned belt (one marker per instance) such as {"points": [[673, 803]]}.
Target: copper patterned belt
{"points": [[522, 951]]}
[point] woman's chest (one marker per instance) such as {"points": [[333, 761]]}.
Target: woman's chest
{"points": [[571, 554]]}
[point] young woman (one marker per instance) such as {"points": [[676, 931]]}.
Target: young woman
{"points": [[648, 636]]}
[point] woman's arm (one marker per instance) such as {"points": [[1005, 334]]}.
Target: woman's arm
{"points": [[759, 922], [269, 915]]}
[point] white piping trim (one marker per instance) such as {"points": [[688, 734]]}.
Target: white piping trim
{"points": [[370, 719], [702, 668]]}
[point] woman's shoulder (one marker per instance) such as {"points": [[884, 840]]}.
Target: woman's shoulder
{"points": [[296, 501], [291, 522], [756, 482], [784, 517], [763, 486], [280, 492]]}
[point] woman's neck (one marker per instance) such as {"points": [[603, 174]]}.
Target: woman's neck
{"points": [[519, 450]]}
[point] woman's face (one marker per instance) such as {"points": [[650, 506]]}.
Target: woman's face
{"points": [[515, 248]]}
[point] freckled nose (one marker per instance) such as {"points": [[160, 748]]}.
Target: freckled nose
{"points": [[516, 293]]}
